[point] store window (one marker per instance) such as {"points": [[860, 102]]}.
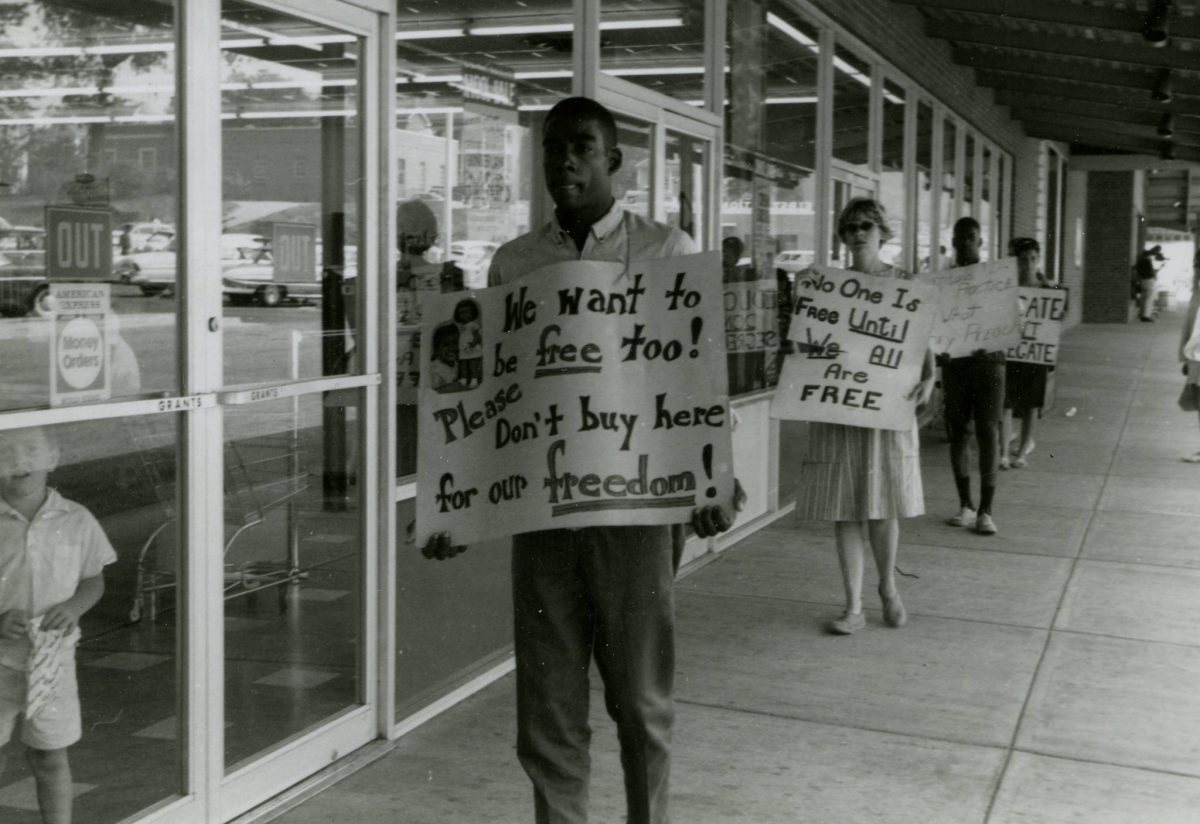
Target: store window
{"points": [[688, 162], [968, 175], [474, 80], [923, 220], [290, 248], [1001, 204], [111, 488], [851, 110], [768, 223], [289, 244], [660, 47], [892, 186], [631, 183], [948, 207], [986, 190], [88, 198]]}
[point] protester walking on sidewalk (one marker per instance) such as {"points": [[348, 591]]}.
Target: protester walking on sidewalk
{"points": [[865, 480], [973, 388], [1189, 351], [601, 593], [1024, 383]]}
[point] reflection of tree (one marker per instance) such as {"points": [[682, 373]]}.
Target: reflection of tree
{"points": [[36, 158]]}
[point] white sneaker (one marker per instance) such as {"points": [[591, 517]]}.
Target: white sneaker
{"points": [[964, 518], [984, 524], [1004, 462]]}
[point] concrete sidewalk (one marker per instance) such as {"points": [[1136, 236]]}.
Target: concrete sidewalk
{"points": [[1050, 673]]}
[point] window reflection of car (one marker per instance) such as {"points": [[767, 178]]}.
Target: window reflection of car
{"points": [[793, 260], [153, 270], [251, 279], [23, 284], [474, 257]]}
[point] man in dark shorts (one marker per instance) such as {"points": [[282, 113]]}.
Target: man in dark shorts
{"points": [[973, 388]]}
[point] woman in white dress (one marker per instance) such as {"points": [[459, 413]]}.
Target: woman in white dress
{"points": [[865, 480]]}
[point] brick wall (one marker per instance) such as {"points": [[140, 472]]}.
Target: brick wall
{"points": [[1110, 237]]}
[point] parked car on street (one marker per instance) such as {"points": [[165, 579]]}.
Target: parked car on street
{"points": [[473, 257], [251, 278], [793, 260], [23, 283], [153, 270]]}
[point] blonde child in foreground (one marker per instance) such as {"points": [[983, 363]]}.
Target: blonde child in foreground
{"points": [[52, 557]]}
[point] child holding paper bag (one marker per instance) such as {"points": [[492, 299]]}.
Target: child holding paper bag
{"points": [[865, 480], [52, 557]]}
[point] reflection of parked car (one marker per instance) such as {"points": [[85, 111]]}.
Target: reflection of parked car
{"points": [[473, 257], [154, 270], [252, 277], [23, 271], [793, 260]]}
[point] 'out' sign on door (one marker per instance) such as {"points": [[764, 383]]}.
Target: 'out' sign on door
{"points": [[78, 243], [294, 252]]}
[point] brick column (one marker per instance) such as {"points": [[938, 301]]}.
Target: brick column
{"points": [[1110, 243]]}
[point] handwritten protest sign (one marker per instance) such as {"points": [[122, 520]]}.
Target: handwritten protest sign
{"points": [[751, 319], [977, 308], [863, 340], [599, 398], [1042, 314]]}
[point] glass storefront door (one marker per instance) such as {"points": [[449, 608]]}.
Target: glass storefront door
{"points": [[299, 393], [190, 393]]}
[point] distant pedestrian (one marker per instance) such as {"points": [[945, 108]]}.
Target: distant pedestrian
{"points": [[1146, 268], [1189, 350]]}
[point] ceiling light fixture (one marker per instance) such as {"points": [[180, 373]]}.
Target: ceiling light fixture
{"points": [[1166, 126], [1162, 87], [429, 34], [1155, 30], [567, 28], [538, 28], [791, 31]]}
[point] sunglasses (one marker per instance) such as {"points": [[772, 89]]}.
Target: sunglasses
{"points": [[865, 226]]}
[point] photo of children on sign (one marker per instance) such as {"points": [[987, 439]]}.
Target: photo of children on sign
{"points": [[470, 344], [1042, 312], [862, 343], [602, 399], [457, 359], [977, 308]]}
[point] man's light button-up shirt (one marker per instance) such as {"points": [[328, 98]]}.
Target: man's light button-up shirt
{"points": [[620, 236]]}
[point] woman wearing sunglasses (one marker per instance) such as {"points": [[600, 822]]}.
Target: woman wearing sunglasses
{"points": [[865, 480]]}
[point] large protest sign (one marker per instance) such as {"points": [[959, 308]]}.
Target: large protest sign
{"points": [[751, 316], [863, 342], [977, 308], [1042, 313], [581, 394]]}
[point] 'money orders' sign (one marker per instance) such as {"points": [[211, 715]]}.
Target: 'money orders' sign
{"points": [[80, 371]]}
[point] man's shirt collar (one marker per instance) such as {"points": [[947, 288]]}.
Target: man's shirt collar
{"points": [[601, 229]]}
